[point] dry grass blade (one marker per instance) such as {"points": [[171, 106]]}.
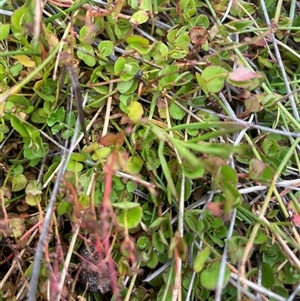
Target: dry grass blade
{"points": [[66, 61]]}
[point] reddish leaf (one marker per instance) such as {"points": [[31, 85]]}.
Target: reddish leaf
{"points": [[256, 168], [112, 139], [296, 219], [215, 208], [253, 104], [241, 74]]}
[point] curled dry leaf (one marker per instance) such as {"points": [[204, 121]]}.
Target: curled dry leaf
{"points": [[198, 35]]}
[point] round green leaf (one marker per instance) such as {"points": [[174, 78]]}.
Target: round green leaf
{"points": [[127, 87], [144, 243], [119, 65], [131, 186], [33, 199], [139, 17], [209, 276], [86, 53], [176, 112], [33, 188], [130, 218], [74, 166], [19, 182], [130, 70], [106, 48], [134, 164], [191, 171], [214, 77]]}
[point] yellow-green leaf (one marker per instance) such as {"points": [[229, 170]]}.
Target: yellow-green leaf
{"points": [[17, 227], [201, 259], [25, 60], [135, 111]]}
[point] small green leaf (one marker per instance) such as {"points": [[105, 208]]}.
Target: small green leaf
{"points": [[127, 87], [131, 186], [144, 243], [64, 207], [74, 166], [106, 48], [119, 65], [32, 200], [130, 218], [268, 278], [152, 263], [4, 31], [202, 83], [139, 17], [157, 242], [201, 20], [50, 171], [182, 42], [239, 25], [56, 116], [209, 276], [130, 71], [214, 77], [67, 133], [201, 259], [135, 39], [20, 127], [19, 182], [146, 5], [259, 170], [134, 164], [91, 148], [261, 237], [101, 153], [86, 53], [34, 188], [84, 200], [38, 116], [192, 171], [16, 69], [176, 112], [157, 223], [78, 157], [20, 17], [168, 76], [126, 205], [56, 128]]}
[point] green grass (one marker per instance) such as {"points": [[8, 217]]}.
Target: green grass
{"points": [[149, 150]]}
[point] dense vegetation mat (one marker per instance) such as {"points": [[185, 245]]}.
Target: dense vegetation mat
{"points": [[149, 150]]}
